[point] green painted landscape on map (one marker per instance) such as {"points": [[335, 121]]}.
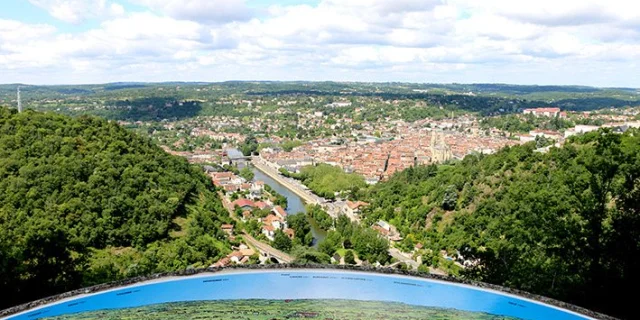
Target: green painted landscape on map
{"points": [[283, 309]]}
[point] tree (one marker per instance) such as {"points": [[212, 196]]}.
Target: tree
{"points": [[323, 219], [71, 189], [542, 142], [349, 258], [300, 224], [450, 198], [247, 173], [281, 241], [249, 146], [313, 257], [331, 243]]}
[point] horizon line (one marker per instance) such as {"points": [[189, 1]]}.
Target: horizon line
{"points": [[195, 82]]}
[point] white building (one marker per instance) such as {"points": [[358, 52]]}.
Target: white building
{"points": [[579, 129]]}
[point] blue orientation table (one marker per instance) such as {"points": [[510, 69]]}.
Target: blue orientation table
{"points": [[319, 292]]}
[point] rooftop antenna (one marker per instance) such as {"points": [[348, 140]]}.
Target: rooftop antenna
{"points": [[19, 101]]}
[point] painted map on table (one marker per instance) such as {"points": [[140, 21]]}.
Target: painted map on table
{"points": [[297, 294]]}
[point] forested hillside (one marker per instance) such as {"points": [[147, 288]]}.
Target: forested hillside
{"points": [[565, 224], [83, 201]]}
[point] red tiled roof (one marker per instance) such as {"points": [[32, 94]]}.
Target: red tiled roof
{"points": [[243, 203], [380, 230], [222, 262], [271, 218], [280, 211], [261, 204]]}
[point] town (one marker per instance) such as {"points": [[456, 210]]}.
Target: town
{"points": [[374, 150]]}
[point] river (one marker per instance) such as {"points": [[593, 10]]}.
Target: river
{"points": [[295, 204]]}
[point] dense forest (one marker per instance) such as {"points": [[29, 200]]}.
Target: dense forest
{"points": [[564, 224], [83, 201]]}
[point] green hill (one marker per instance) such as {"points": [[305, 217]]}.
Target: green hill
{"points": [[83, 201], [564, 224]]}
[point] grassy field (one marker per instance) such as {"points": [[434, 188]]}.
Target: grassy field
{"points": [[283, 309]]}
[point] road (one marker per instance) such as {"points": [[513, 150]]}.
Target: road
{"points": [[401, 257], [263, 247]]}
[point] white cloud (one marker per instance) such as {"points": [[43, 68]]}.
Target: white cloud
{"points": [[201, 10], [558, 13], [77, 11], [11, 30], [410, 40]]}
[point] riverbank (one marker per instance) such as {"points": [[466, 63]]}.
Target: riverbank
{"points": [[295, 187], [295, 203]]}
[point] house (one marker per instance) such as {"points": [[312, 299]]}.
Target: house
{"points": [[221, 178], [244, 204], [235, 257], [227, 228], [261, 205], [353, 208], [268, 231], [275, 221], [256, 189], [247, 252], [221, 263], [544, 112], [239, 256], [382, 231], [278, 211], [579, 129], [229, 187]]}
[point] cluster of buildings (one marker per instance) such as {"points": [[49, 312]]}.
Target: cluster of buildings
{"points": [[378, 159], [240, 255], [616, 127], [618, 123], [196, 156], [545, 112], [253, 198], [275, 220], [232, 183]]}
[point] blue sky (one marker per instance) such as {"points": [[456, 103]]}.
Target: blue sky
{"points": [[586, 42]]}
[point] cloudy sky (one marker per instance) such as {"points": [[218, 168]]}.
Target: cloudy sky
{"points": [[585, 42]]}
